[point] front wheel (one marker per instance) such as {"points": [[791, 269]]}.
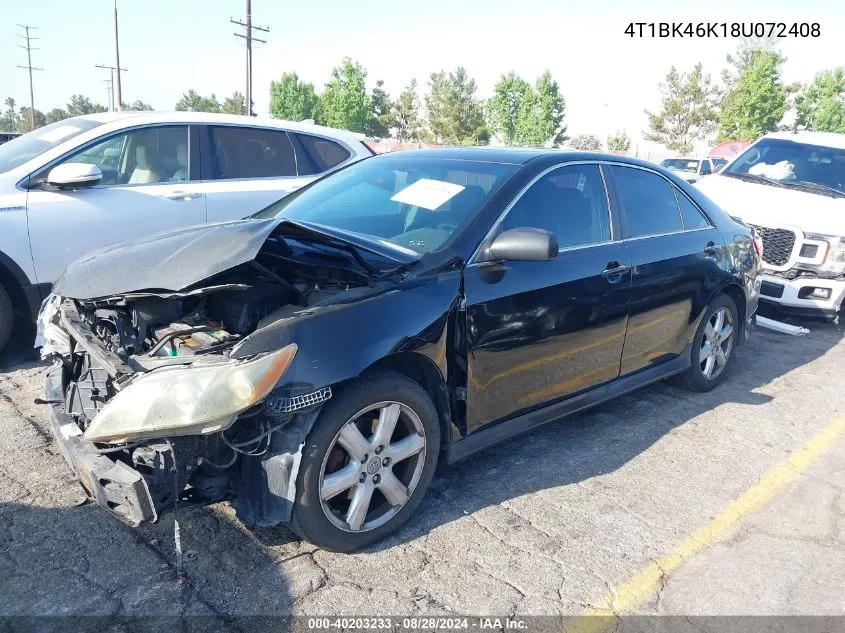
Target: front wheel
{"points": [[712, 346], [366, 463]]}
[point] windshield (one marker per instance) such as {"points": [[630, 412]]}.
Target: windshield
{"points": [[680, 164], [417, 203], [23, 148], [813, 167]]}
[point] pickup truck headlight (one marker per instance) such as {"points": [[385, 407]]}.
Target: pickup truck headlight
{"points": [[194, 400], [834, 261]]}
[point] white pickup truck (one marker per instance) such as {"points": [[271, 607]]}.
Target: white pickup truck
{"points": [[791, 188]]}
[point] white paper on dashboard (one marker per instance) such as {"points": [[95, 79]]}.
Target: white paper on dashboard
{"points": [[428, 194]]}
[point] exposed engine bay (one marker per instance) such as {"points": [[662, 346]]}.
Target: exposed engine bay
{"points": [[110, 348]]}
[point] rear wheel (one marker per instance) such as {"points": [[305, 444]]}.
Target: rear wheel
{"points": [[712, 346], [7, 317], [366, 463]]}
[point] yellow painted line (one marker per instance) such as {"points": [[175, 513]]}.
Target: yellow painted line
{"points": [[636, 590]]}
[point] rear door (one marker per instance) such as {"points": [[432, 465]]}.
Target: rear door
{"points": [[542, 331], [674, 251], [148, 185]]}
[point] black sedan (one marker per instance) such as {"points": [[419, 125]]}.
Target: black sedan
{"points": [[314, 363]]}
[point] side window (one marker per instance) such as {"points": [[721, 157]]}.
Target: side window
{"points": [[693, 218], [647, 200], [246, 152], [569, 202], [145, 156], [705, 168], [315, 155]]}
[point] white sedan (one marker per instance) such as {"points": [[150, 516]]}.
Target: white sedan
{"points": [[88, 181]]}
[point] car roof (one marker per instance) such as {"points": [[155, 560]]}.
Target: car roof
{"points": [[141, 117], [513, 155], [826, 139], [686, 157]]}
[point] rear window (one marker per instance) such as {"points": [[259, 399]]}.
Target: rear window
{"points": [[245, 152], [24, 148], [315, 154]]}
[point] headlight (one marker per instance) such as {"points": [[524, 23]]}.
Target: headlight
{"points": [[188, 400], [834, 261]]}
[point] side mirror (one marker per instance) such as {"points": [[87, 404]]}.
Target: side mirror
{"points": [[74, 175], [523, 245]]}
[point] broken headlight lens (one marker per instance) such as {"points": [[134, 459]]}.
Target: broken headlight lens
{"points": [[193, 400]]}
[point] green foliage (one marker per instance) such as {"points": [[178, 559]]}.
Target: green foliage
{"points": [[540, 117], [79, 105], [292, 99], [586, 142], [56, 114], [236, 104], [382, 119], [193, 102], [137, 106], [618, 142], [821, 106], [9, 120], [24, 124], [344, 102], [504, 107], [757, 102], [688, 110], [406, 114], [455, 115]]}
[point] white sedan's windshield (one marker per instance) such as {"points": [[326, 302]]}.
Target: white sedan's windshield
{"points": [[680, 164], [815, 168], [417, 203], [23, 148]]}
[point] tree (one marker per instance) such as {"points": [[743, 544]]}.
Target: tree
{"points": [[455, 116], [541, 116], [137, 106], [236, 104], [9, 120], [821, 106], [56, 114], [505, 106], [756, 103], [79, 105], [688, 110], [193, 102], [586, 142], [382, 119], [344, 102], [618, 142], [24, 125], [292, 99], [406, 114]]}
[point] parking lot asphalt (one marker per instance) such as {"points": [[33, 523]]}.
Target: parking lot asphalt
{"points": [[573, 517]]}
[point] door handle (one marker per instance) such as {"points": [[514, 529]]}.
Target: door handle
{"points": [[614, 271], [182, 195]]}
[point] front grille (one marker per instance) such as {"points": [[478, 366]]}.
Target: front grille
{"points": [[777, 245]]}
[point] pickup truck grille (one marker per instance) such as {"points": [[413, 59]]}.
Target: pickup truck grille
{"points": [[777, 245]]}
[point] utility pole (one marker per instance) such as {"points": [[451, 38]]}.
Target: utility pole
{"points": [[30, 68], [111, 70], [110, 92], [249, 28], [117, 59]]}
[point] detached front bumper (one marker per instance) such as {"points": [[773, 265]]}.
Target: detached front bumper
{"points": [[113, 484], [798, 296]]}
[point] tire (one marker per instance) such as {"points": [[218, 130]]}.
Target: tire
{"points": [[366, 401], [7, 317], [696, 377]]}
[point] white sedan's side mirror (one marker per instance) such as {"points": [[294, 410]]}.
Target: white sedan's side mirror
{"points": [[74, 175]]}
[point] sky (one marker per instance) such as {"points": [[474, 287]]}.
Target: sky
{"points": [[606, 77]]}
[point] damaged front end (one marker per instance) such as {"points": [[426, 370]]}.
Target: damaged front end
{"points": [[151, 402]]}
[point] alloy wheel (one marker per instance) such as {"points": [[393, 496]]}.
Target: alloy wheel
{"points": [[716, 344], [372, 467]]}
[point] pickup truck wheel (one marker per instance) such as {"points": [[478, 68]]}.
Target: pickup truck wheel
{"points": [[7, 317], [367, 462], [712, 346]]}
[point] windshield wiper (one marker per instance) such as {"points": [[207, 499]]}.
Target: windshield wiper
{"points": [[755, 178], [803, 184]]}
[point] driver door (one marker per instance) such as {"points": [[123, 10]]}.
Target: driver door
{"points": [[146, 188], [542, 331]]}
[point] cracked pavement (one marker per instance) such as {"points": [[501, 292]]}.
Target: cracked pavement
{"points": [[543, 525]]}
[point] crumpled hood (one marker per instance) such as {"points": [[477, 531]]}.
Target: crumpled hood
{"points": [[772, 206], [165, 261]]}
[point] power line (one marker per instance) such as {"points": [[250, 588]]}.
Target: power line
{"points": [[249, 28], [111, 70], [29, 67]]}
